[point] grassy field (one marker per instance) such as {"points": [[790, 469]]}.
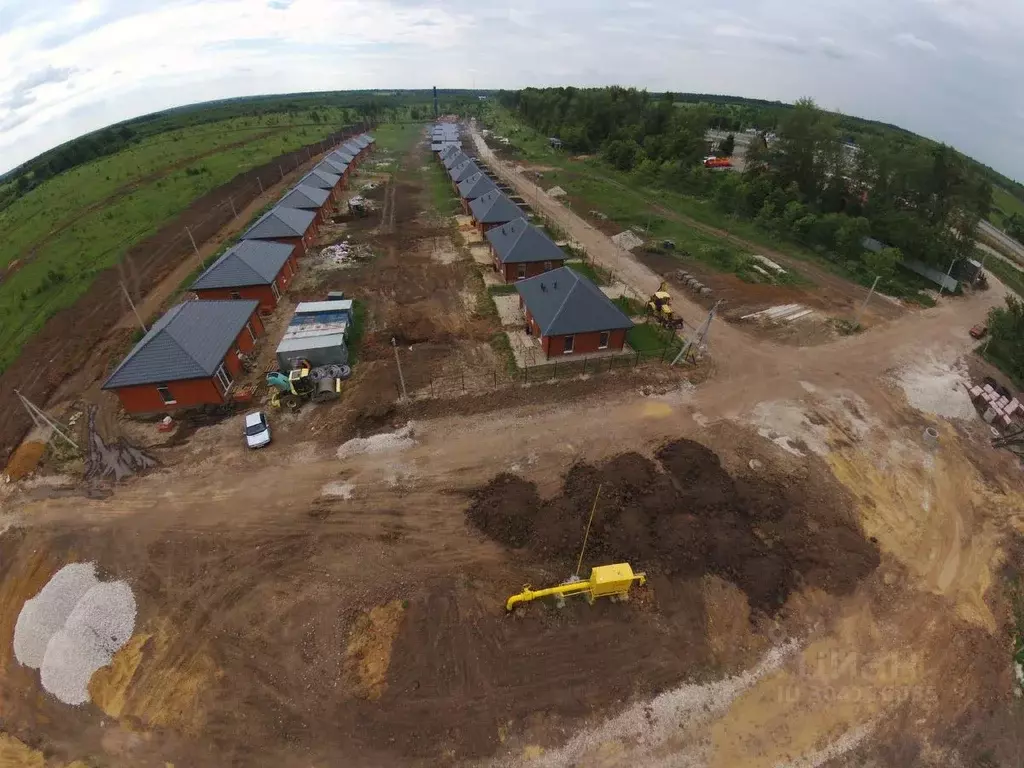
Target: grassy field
{"points": [[650, 338], [107, 205], [1003, 204]]}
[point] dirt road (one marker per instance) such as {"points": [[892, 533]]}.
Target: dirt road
{"points": [[822, 581]]}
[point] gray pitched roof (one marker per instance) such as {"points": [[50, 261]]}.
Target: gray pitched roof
{"points": [[320, 179], [454, 159], [477, 185], [362, 140], [334, 163], [250, 262], [304, 196], [563, 302], [280, 222], [352, 147], [370, 139], [341, 156], [189, 342], [449, 150], [518, 242], [463, 170], [494, 208]]}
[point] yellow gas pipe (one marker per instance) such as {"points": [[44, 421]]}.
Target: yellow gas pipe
{"points": [[605, 581]]}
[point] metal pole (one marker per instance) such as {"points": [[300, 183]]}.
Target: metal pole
{"points": [[948, 273], [234, 213], [38, 415], [132, 305], [260, 181], [401, 378], [856, 318], [586, 535], [282, 171], [194, 248]]}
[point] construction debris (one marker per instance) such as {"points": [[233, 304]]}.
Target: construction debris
{"points": [[627, 240], [119, 459], [556, 192], [785, 313]]}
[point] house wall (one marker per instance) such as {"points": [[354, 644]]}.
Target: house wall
{"points": [[509, 271], [583, 343], [483, 228], [189, 393]]}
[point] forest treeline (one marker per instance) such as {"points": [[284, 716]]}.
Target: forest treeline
{"points": [[807, 178]]}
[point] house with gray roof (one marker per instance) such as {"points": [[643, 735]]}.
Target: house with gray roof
{"points": [[334, 164], [307, 198], [341, 156], [250, 269], [448, 150], [569, 315], [462, 170], [323, 177], [454, 159], [472, 187], [189, 358], [284, 225], [352, 148], [493, 209], [520, 250]]}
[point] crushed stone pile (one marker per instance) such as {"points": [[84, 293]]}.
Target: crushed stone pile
{"points": [[45, 614], [386, 442], [627, 240], [937, 387], [72, 628], [556, 192]]}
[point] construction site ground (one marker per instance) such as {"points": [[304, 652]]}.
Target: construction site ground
{"points": [[826, 586]]}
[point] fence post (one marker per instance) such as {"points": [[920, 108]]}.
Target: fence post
{"points": [[432, 385], [635, 364], [282, 171], [584, 366], [463, 381], [610, 361], [495, 378]]}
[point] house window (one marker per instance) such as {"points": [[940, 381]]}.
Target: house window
{"points": [[568, 341], [235, 295], [520, 271], [223, 379], [252, 335], [274, 290], [602, 341], [547, 266], [165, 395]]}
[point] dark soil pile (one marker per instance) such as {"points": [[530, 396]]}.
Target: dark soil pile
{"points": [[769, 536]]}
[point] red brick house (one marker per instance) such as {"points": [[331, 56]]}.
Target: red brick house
{"points": [[474, 187], [252, 269], [462, 170], [285, 225], [570, 315], [190, 357], [307, 198], [493, 209], [323, 178], [520, 250]]}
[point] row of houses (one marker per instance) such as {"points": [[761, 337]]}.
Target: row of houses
{"points": [[564, 311], [194, 353]]}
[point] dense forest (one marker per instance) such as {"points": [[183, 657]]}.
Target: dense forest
{"points": [[807, 178]]}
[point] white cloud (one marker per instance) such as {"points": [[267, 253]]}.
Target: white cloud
{"points": [[70, 66], [911, 40]]}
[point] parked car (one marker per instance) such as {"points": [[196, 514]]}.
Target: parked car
{"points": [[979, 331], [257, 430]]}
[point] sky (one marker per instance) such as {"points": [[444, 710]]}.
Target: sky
{"points": [[948, 69]]}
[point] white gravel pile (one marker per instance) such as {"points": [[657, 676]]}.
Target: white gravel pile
{"points": [[45, 614], [72, 628], [937, 387], [556, 192], [386, 442], [627, 240]]}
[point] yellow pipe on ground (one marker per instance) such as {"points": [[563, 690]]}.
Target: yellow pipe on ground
{"points": [[605, 581], [530, 594]]}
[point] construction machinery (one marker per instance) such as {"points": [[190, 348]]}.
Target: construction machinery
{"points": [[611, 581], [659, 306], [301, 385]]}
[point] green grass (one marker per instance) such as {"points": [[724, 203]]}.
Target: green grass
{"points": [[649, 338], [55, 273], [632, 307], [1008, 275], [397, 137], [441, 198], [356, 330], [503, 351], [505, 289], [1003, 204], [587, 270]]}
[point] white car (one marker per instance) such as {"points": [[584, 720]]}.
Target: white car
{"points": [[257, 431]]}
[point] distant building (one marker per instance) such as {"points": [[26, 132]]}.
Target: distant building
{"points": [[570, 315], [190, 357]]}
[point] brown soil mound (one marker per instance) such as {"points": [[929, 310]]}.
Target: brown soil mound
{"points": [[767, 536]]}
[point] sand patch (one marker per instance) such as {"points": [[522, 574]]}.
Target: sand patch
{"points": [[368, 654]]}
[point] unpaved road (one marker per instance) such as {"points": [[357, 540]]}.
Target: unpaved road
{"points": [[299, 608]]}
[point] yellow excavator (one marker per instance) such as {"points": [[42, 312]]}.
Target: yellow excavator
{"points": [[659, 306], [611, 581]]}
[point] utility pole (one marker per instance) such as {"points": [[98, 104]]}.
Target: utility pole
{"points": [[948, 273], [194, 248], [260, 182], [234, 213], [699, 339], [856, 318], [131, 303], [401, 378], [40, 419]]}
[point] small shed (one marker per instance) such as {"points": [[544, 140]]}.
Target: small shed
{"points": [[317, 332]]}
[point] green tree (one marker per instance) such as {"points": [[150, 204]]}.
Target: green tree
{"points": [[1006, 325], [883, 263], [728, 146]]}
